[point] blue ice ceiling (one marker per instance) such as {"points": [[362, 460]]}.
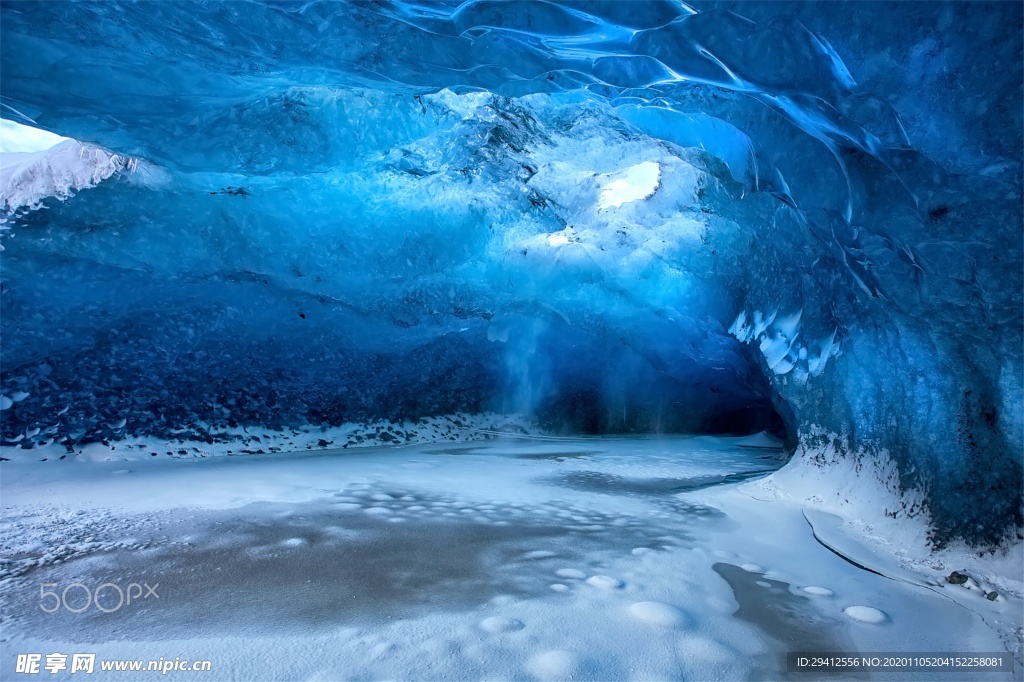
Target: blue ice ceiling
{"points": [[616, 216]]}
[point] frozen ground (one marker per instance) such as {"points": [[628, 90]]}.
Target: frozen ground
{"points": [[525, 558]]}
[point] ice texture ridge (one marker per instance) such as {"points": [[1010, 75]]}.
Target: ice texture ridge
{"points": [[617, 216]]}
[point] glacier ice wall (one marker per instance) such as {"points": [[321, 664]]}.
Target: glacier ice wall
{"points": [[618, 216]]}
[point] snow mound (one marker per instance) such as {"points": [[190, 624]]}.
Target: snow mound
{"points": [[865, 614], [657, 613], [27, 178], [605, 582], [496, 624]]}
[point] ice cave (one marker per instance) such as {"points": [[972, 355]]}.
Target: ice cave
{"points": [[512, 339]]}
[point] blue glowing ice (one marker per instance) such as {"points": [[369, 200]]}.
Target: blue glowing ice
{"points": [[615, 216]]}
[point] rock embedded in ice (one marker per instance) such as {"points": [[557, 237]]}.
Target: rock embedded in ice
{"points": [[865, 614], [957, 578], [658, 613], [554, 665], [818, 591], [571, 573], [496, 624], [604, 582]]}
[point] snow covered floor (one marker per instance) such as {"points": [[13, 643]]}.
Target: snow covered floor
{"points": [[526, 558]]}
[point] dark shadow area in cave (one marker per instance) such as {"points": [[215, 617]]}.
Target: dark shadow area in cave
{"points": [[584, 410], [649, 398]]}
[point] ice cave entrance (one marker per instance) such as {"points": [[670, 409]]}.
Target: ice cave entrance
{"points": [[653, 220], [525, 340]]}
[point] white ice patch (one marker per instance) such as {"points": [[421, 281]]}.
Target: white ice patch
{"points": [[571, 573], [818, 591], [778, 339], [28, 178], [865, 614], [633, 184], [604, 582], [498, 624]]}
